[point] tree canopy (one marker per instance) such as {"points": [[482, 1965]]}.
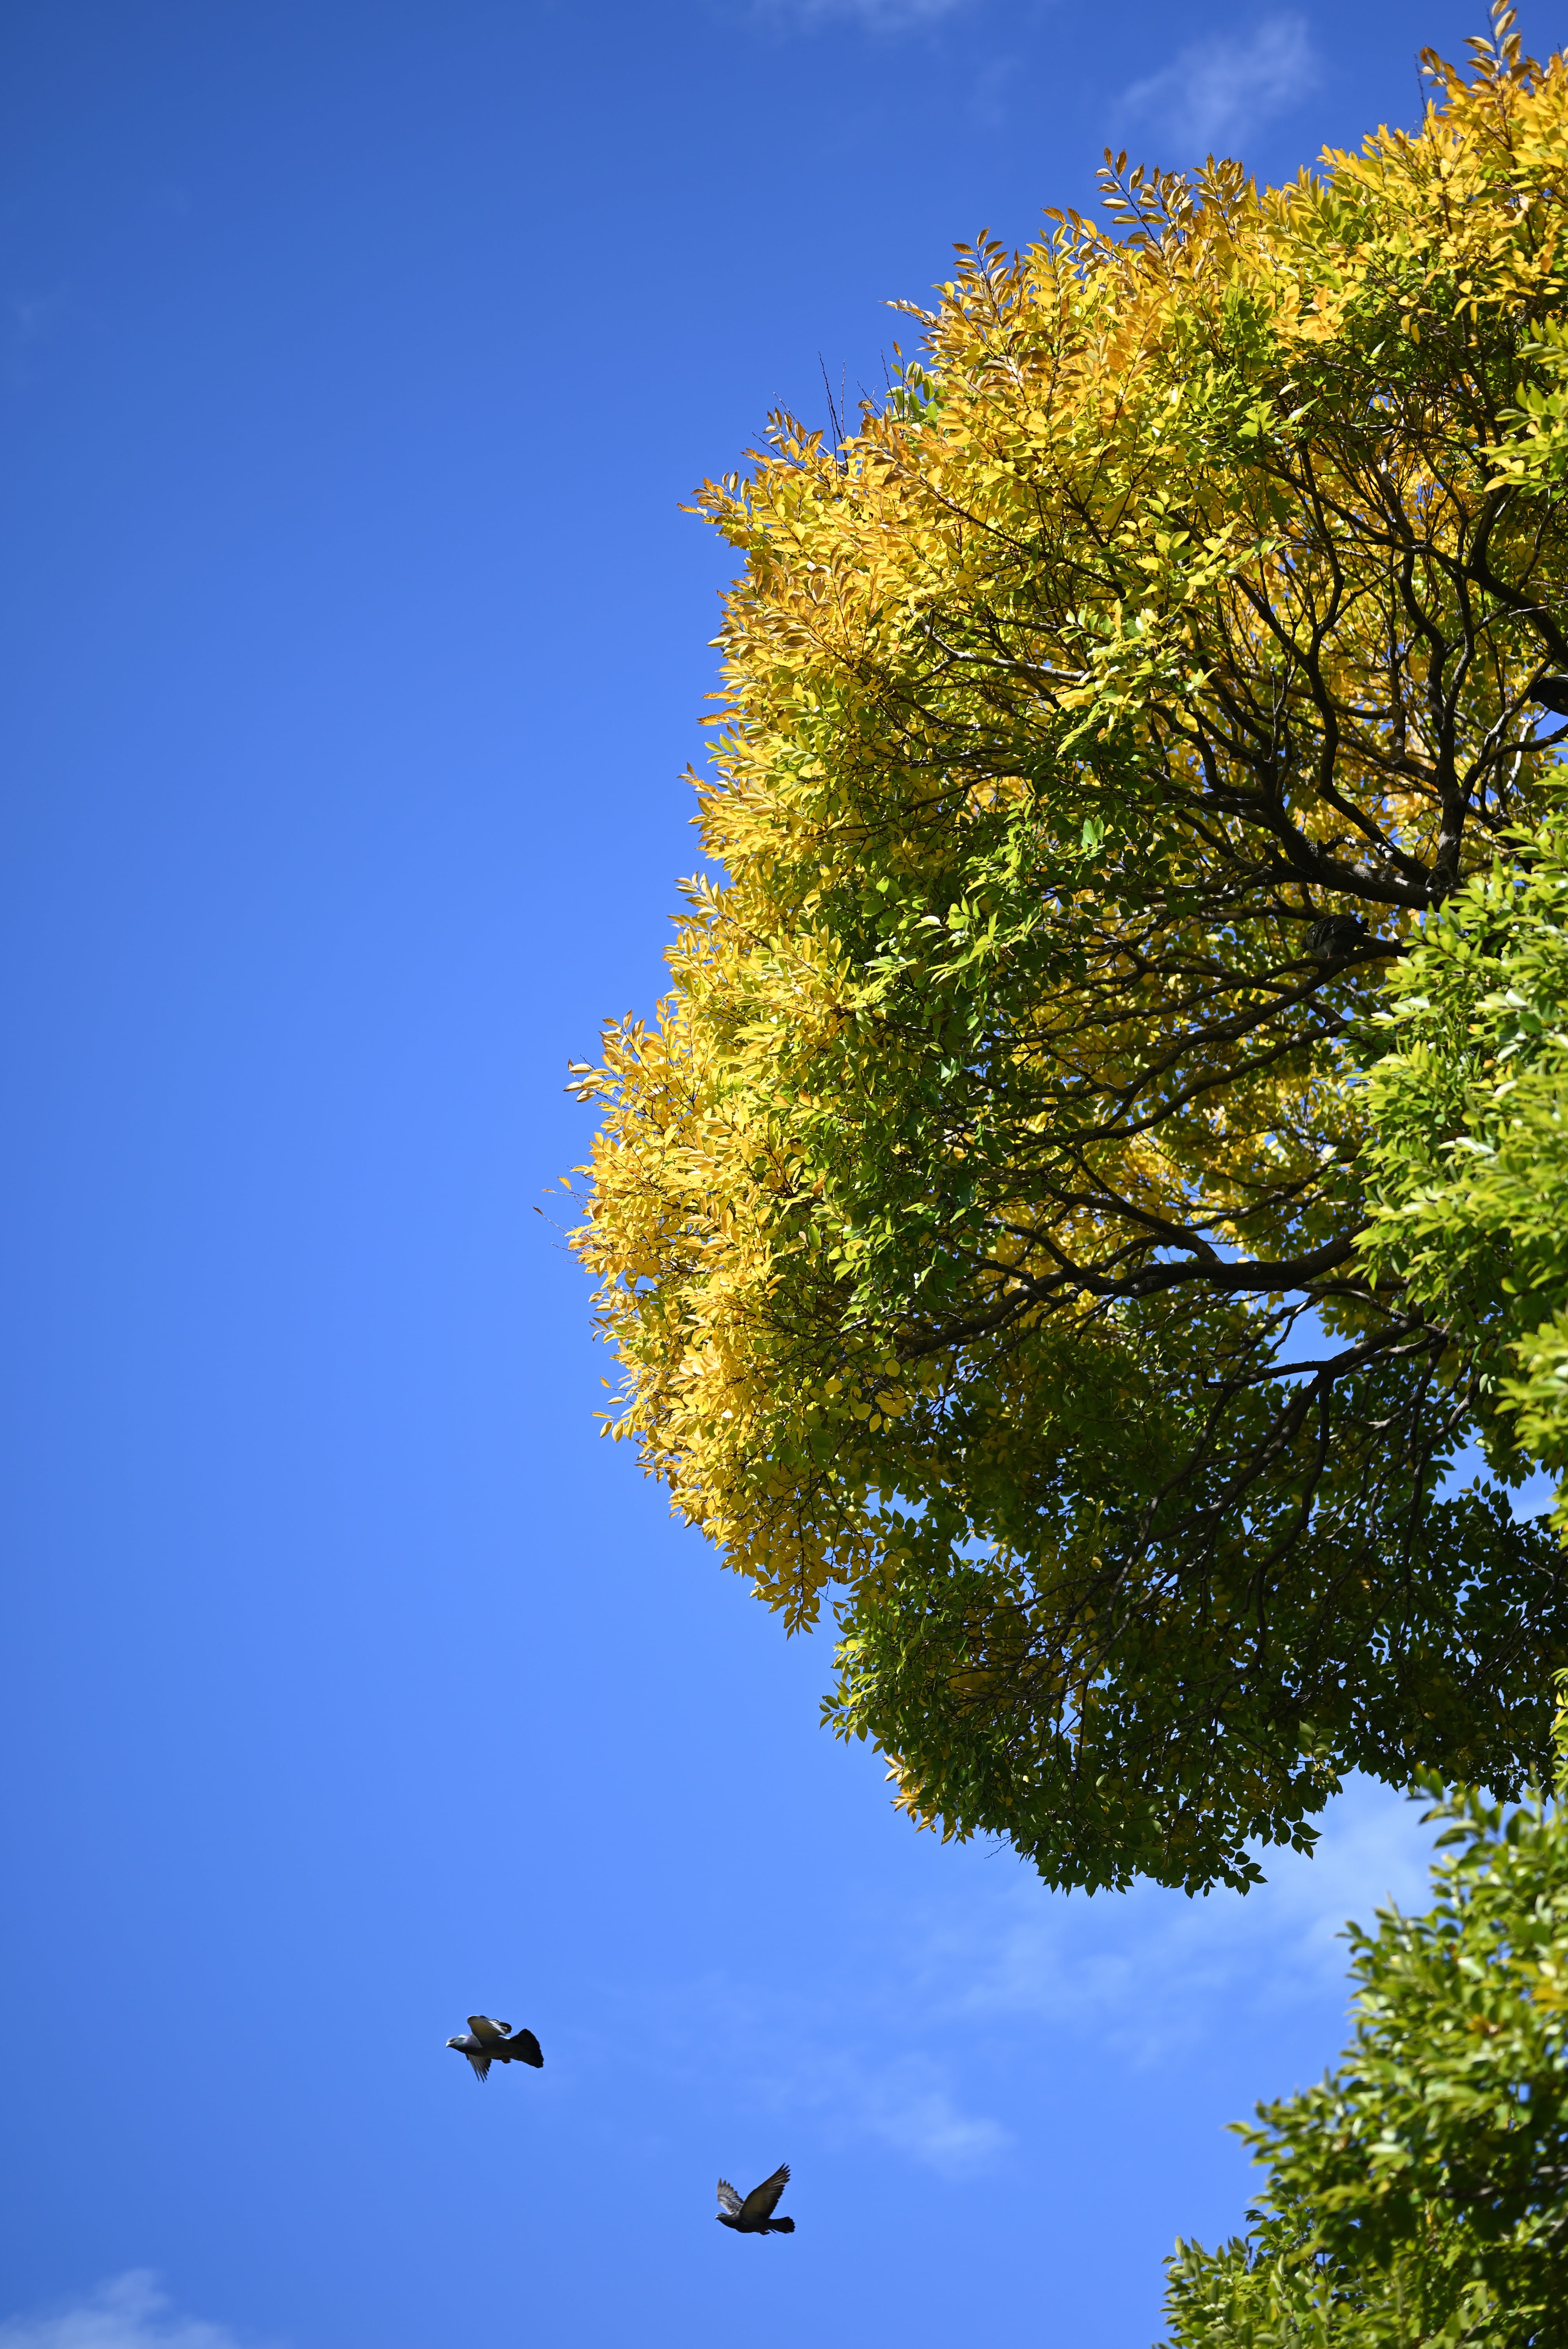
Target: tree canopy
{"points": [[980, 1221], [1421, 2194]]}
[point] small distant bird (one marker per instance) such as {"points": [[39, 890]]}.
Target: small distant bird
{"points": [[485, 2042], [755, 2215], [1336, 934]]}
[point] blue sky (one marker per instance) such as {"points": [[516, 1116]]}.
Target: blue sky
{"points": [[356, 361]]}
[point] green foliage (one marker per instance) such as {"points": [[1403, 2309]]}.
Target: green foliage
{"points": [[976, 1222], [1419, 2195], [1468, 1153]]}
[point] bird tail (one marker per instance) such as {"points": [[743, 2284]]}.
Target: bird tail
{"points": [[780, 2227]]}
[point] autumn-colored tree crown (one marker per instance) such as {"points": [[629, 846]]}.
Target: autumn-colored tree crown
{"points": [[977, 1221]]}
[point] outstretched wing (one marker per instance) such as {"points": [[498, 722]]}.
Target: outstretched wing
{"points": [[728, 2199], [760, 2202], [485, 2026], [482, 2063], [525, 2048]]}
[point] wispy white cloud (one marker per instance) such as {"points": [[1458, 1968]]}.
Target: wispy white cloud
{"points": [[1220, 91], [875, 16], [987, 107], [910, 2112], [905, 2103], [827, 2059], [898, 2043], [1092, 1964], [131, 2313], [28, 324]]}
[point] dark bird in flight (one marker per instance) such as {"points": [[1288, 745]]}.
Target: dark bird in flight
{"points": [[485, 2042], [1336, 934], [1551, 692], [755, 2215]]}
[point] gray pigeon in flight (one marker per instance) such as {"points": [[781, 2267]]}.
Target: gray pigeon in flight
{"points": [[485, 2042], [755, 2215]]}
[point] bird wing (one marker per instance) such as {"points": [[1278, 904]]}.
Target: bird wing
{"points": [[485, 2026], [481, 2065], [728, 2197], [526, 2048], [759, 2203]]}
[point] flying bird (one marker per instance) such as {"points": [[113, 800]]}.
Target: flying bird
{"points": [[1336, 934], [755, 2215], [485, 2042]]}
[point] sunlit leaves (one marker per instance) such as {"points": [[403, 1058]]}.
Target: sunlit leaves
{"points": [[1469, 1154]]}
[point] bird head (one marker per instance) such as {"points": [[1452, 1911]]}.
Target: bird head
{"points": [[459, 2043]]}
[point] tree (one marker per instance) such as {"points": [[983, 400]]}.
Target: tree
{"points": [[978, 1221], [1421, 2194]]}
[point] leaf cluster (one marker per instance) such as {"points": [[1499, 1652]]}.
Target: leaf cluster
{"points": [[1419, 2195], [1468, 1159]]}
